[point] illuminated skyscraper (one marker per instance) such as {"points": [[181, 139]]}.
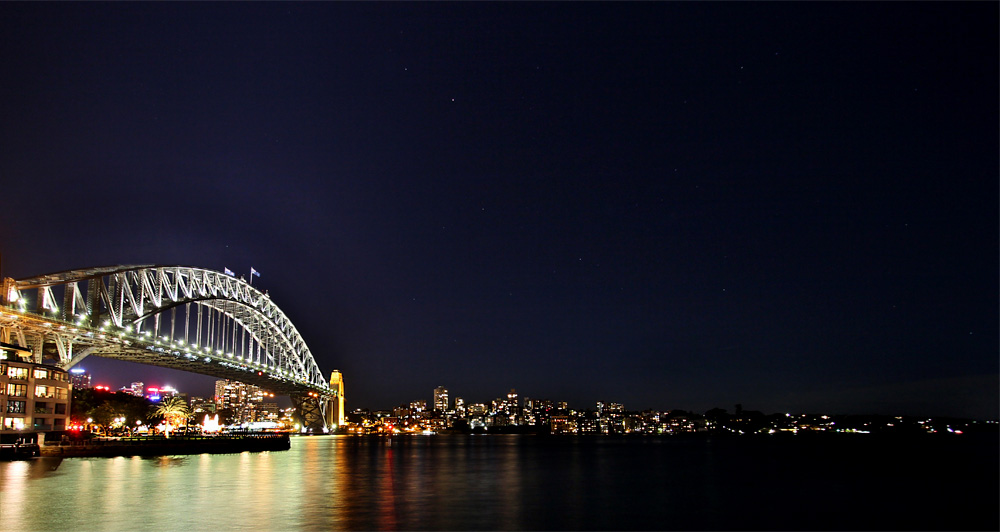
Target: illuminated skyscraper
{"points": [[80, 378], [243, 400], [441, 399], [513, 408]]}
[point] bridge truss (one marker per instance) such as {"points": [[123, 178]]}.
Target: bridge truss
{"points": [[178, 317]]}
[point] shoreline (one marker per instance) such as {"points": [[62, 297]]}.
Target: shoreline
{"points": [[159, 446]]}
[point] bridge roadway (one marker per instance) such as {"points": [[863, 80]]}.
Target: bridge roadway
{"points": [[190, 319]]}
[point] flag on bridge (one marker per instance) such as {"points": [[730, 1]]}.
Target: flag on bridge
{"points": [[254, 272], [229, 272]]}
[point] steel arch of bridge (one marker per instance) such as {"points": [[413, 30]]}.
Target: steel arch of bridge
{"points": [[179, 317]]}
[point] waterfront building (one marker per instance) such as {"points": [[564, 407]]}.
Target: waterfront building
{"points": [[79, 378], [32, 396], [136, 389], [441, 399], [286, 416], [268, 412], [588, 423], [459, 407], [202, 405], [537, 411], [506, 411], [562, 425], [417, 407]]}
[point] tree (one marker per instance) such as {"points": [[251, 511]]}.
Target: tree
{"points": [[106, 409], [172, 409]]}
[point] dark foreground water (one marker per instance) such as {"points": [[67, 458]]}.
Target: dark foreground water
{"points": [[522, 483]]}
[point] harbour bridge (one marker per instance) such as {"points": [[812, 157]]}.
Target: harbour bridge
{"points": [[177, 317]]}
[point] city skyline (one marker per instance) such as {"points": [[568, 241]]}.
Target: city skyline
{"points": [[792, 206], [486, 398]]}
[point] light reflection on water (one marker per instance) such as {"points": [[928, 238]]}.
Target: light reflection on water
{"points": [[501, 483]]}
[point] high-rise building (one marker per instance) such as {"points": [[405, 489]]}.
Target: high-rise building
{"points": [[460, 406], [269, 412], [136, 389], [79, 378], [513, 408], [202, 405], [244, 401], [337, 415], [441, 399]]}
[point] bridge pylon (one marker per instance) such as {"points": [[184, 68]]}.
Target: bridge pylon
{"points": [[311, 411]]}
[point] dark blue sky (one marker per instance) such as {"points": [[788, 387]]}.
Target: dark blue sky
{"points": [[793, 206]]}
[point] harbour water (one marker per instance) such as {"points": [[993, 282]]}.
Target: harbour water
{"points": [[520, 482]]}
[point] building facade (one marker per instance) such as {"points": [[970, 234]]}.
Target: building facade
{"points": [[243, 401], [441, 399], [33, 397]]}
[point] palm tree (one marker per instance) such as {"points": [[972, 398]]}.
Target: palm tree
{"points": [[172, 408]]}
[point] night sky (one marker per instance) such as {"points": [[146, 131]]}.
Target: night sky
{"points": [[792, 206]]}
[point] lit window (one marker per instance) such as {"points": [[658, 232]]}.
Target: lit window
{"points": [[13, 423]]}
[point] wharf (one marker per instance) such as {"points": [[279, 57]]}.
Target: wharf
{"points": [[160, 446], [18, 451]]}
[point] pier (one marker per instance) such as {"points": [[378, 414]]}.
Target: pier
{"points": [[159, 446]]}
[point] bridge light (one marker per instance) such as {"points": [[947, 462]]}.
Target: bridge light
{"points": [[208, 359]]}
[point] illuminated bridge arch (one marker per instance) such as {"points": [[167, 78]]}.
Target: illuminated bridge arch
{"points": [[192, 319]]}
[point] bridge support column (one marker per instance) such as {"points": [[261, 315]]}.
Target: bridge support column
{"points": [[77, 358], [310, 412], [37, 349]]}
